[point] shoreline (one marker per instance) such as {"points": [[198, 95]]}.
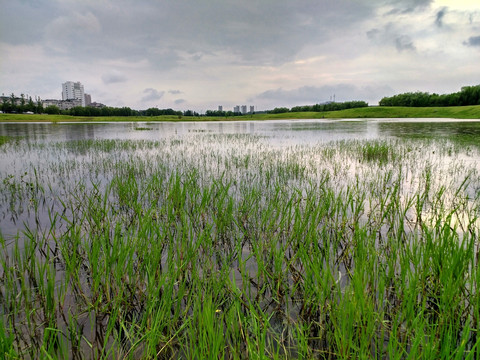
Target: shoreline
{"points": [[371, 112]]}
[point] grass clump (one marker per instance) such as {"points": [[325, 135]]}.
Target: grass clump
{"points": [[5, 139], [375, 152]]}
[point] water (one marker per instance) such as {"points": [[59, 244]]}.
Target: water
{"points": [[18, 166], [51, 171], [290, 131]]}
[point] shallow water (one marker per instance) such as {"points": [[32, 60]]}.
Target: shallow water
{"points": [[199, 141], [290, 131], [57, 174]]}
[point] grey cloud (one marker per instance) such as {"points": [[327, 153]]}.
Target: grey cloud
{"points": [[408, 6], [263, 32], [308, 95], [372, 34], [152, 95], [179, 101], [73, 29], [440, 16], [114, 77], [472, 41], [22, 22], [389, 35], [404, 43], [174, 92]]}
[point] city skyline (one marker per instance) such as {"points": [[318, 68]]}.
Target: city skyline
{"points": [[191, 55]]}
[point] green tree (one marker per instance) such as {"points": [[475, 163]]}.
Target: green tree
{"points": [[52, 110], [39, 107], [5, 105], [30, 105], [21, 108], [13, 103], [279, 110]]}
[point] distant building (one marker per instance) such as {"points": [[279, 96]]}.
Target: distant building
{"points": [[88, 99], [73, 91], [244, 109], [62, 104], [17, 100], [252, 109], [97, 105], [236, 109], [220, 108]]}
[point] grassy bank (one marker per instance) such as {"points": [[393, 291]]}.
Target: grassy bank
{"points": [[454, 112]]}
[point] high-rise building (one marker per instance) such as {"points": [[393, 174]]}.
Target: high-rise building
{"points": [[88, 99], [236, 109], [244, 109], [220, 108], [73, 90], [252, 109]]}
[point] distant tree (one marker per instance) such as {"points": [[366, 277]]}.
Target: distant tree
{"points": [[152, 112], [216, 113], [469, 95], [30, 106], [39, 107], [279, 110], [333, 106], [13, 105], [52, 110], [21, 108], [5, 105]]}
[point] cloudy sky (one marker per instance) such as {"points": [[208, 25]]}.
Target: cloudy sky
{"points": [[198, 54]]}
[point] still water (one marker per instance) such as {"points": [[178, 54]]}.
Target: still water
{"points": [[48, 154], [279, 131]]}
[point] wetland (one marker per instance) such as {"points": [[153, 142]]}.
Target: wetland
{"points": [[328, 239]]}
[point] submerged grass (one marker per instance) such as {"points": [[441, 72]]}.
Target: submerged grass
{"points": [[221, 246], [5, 139]]}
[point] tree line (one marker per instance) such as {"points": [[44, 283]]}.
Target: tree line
{"points": [[124, 111], [12, 103], [331, 106], [469, 95]]}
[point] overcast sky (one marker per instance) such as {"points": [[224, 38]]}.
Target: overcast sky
{"points": [[198, 54]]}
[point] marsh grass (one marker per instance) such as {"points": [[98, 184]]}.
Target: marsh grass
{"points": [[6, 139], [222, 246]]}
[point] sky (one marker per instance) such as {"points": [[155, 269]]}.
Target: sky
{"points": [[199, 54]]}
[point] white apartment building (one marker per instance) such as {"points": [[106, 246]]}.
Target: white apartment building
{"points": [[73, 91]]}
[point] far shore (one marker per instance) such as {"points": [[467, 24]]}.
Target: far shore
{"points": [[372, 112]]}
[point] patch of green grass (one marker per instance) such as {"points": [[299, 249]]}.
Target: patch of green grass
{"points": [[453, 112], [376, 152], [5, 139]]}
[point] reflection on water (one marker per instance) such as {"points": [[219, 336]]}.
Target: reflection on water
{"points": [[435, 129], [279, 131]]}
